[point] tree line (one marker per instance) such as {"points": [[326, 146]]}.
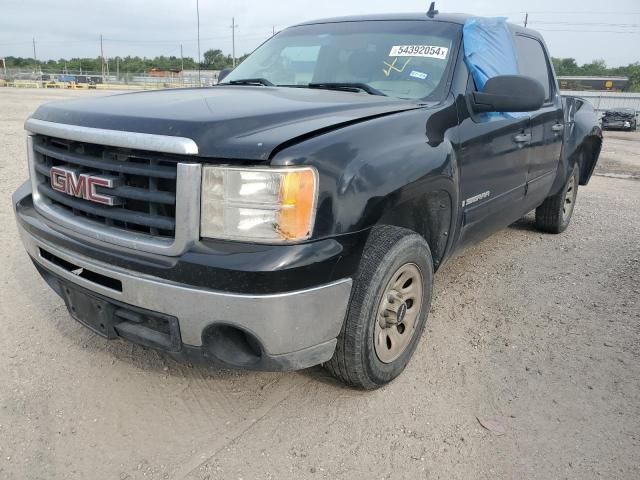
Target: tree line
{"points": [[213, 59], [598, 68]]}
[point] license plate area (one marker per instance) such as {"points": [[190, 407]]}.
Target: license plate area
{"points": [[112, 319], [93, 312]]}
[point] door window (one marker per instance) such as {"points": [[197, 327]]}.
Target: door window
{"points": [[532, 62]]}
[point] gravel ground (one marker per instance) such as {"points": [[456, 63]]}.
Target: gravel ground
{"points": [[534, 336], [620, 156]]}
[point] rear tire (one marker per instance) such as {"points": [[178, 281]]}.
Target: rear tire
{"points": [[382, 330], [554, 215]]}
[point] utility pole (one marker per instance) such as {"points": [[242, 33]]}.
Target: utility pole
{"points": [[117, 68], [199, 59], [233, 40], [4, 67], [102, 58], [182, 65], [35, 57], [526, 19], [274, 31]]}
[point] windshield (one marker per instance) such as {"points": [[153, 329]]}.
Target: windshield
{"points": [[403, 59]]}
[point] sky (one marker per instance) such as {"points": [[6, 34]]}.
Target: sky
{"points": [[582, 29]]}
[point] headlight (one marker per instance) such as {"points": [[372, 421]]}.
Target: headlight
{"points": [[269, 205]]}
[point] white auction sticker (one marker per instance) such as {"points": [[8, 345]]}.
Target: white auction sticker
{"points": [[428, 51]]}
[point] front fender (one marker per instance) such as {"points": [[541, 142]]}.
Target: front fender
{"points": [[385, 170]]}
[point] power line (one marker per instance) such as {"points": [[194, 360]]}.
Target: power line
{"points": [[168, 42], [596, 14], [595, 24], [588, 31], [65, 42], [16, 43]]}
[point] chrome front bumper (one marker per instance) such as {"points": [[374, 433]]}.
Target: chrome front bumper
{"points": [[282, 323], [294, 329]]}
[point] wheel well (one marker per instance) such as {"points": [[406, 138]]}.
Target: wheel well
{"points": [[587, 156], [430, 215]]}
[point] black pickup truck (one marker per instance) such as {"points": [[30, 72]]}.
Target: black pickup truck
{"points": [[295, 214]]}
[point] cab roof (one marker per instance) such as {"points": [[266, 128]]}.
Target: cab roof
{"points": [[457, 18]]}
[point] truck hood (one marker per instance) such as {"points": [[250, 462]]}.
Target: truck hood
{"points": [[226, 122]]}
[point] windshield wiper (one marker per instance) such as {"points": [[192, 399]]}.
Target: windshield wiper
{"points": [[250, 81], [355, 86]]}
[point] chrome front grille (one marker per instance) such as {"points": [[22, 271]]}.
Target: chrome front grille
{"points": [[158, 208], [146, 187]]}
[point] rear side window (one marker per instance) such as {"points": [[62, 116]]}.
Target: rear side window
{"points": [[532, 62]]}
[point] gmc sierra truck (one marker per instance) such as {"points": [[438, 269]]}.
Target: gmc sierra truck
{"points": [[295, 214]]}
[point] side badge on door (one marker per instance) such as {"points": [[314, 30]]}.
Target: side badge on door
{"points": [[476, 198]]}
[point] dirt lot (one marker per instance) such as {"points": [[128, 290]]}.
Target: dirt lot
{"points": [[536, 335], [621, 155]]}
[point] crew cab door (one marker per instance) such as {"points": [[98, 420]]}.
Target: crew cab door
{"points": [[547, 124], [493, 159]]}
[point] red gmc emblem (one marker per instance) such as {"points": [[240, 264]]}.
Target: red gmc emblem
{"points": [[82, 185]]}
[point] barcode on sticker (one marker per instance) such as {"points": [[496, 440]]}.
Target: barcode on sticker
{"points": [[428, 51]]}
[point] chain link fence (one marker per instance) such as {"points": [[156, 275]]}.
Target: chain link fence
{"points": [[31, 78]]}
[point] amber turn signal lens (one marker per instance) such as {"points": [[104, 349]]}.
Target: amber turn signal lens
{"points": [[297, 197]]}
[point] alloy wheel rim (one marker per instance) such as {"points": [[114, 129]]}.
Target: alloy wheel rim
{"points": [[398, 313], [569, 199]]}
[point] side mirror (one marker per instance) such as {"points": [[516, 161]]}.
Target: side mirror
{"points": [[509, 93], [224, 73]]}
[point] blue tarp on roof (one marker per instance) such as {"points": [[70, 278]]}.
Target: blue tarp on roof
{"points": [[489, 49]]}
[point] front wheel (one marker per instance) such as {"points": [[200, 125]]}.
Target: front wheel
{"points": [[389, 305], [554, 215]]}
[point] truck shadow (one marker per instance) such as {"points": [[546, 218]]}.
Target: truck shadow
{"points": [[526, 224]]}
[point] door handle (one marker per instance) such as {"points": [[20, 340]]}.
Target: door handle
{"points": [[557, 128], [522, 138]]}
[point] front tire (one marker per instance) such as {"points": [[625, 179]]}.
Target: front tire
{"points": [[554, 215], [389, 306]]}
